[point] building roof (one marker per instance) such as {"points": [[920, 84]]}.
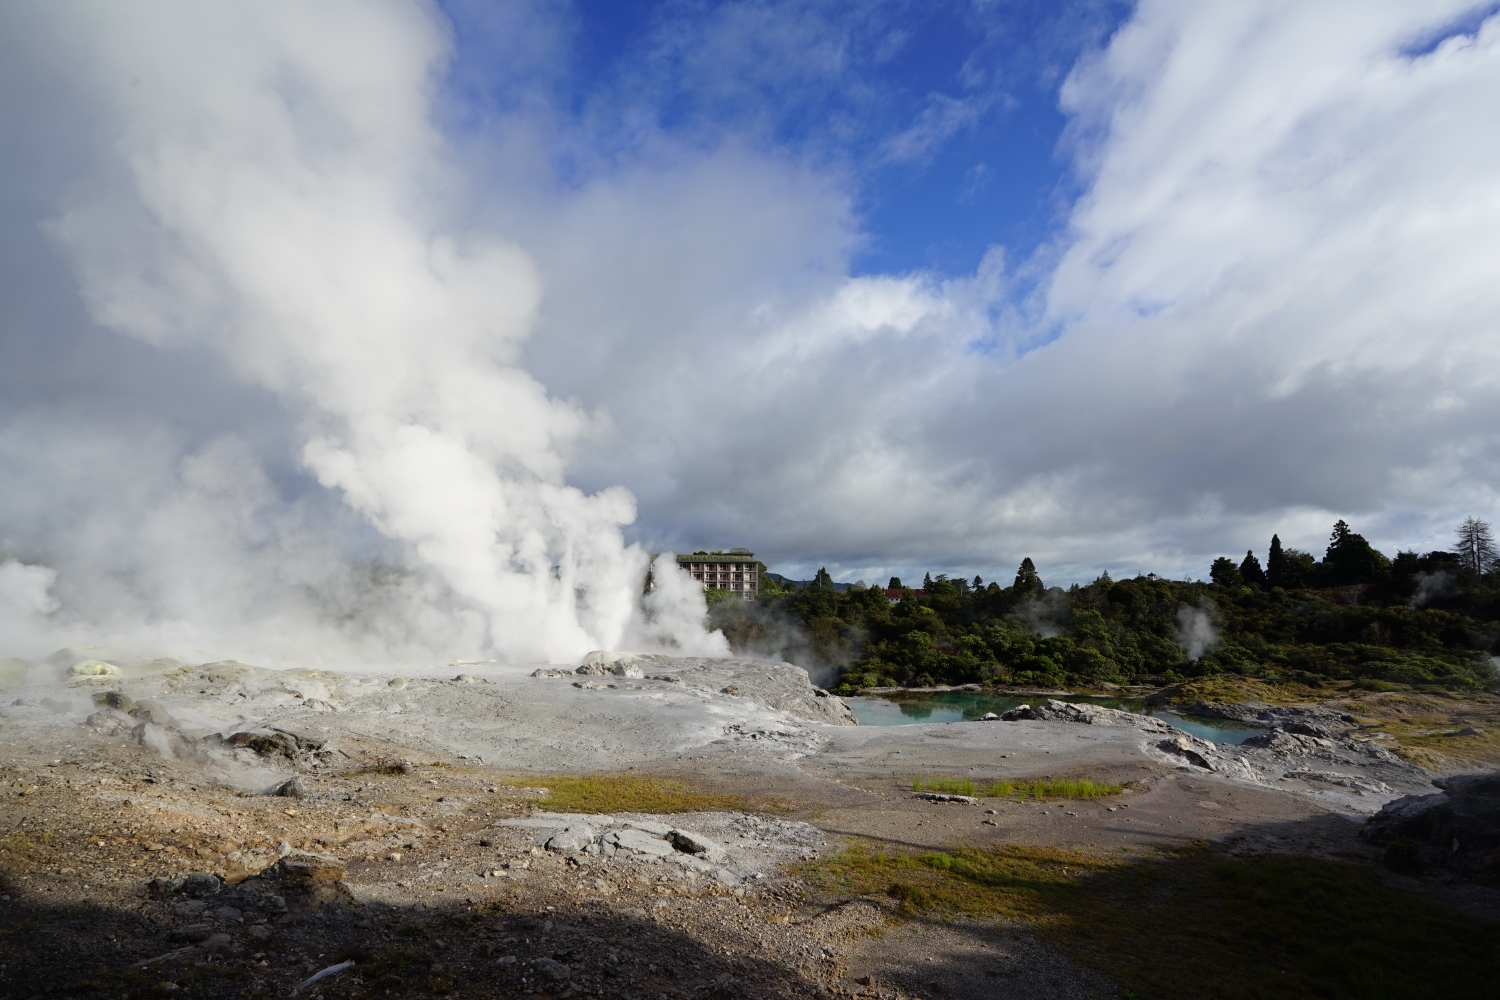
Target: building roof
{"points": [[733, 555]]}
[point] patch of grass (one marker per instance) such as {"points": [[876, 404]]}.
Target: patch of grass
{"points": [[1196, 923], [625, 792], [1017, 789], [1053, 789], [387, 769]]}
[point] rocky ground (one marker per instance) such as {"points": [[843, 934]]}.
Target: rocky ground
{"points": [[223, 830]]}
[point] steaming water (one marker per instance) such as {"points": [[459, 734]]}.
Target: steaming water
{"points": [[962, 706]]}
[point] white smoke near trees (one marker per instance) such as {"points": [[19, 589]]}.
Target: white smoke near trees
{"points": [[271, 190], [1197, 629]]}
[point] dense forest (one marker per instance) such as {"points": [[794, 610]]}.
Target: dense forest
{"points": [[1424, 620]]}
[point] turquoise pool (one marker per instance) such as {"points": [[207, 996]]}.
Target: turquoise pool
{"points": [[960, 706]]}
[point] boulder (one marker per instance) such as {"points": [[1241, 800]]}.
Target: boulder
{"points": [[93, 668], [552, 969], [306, 739], [696, 843], [571, 839], [152, 711], [638, 842], [1457, 828], [114, 699], [1199, 753], [292, 788]]}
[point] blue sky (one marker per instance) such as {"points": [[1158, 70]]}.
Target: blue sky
{"points": [[945, 114]]}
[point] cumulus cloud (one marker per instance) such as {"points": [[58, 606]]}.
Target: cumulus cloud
{"points": [[1268, 308]]}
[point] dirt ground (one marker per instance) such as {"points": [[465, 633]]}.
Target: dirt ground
{"points": [[420, 859]]}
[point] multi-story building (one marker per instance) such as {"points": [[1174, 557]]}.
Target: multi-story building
{"points": [[736, 570]]}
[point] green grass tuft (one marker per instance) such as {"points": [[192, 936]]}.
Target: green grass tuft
{"points": [[1017, 789]]}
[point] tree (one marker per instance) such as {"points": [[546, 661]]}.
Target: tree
{"points": [[926, 581], [1350, 559], [1224, 573], [1276, 568], [822, 580], [1476, 546], [1028, 583], [977, 582], [895, 583], [1250, 570]]}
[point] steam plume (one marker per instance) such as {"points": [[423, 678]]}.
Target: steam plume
{"points": [[273, 194]]}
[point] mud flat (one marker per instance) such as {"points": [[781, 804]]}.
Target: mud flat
{"points": [[403, 822]]}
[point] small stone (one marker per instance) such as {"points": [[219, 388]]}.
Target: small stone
{"points": [[260, 932], [553, 970], [506, 960], [398, 682]]}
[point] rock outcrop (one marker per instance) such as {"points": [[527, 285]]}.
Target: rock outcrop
{"points": [[1457, 828]]}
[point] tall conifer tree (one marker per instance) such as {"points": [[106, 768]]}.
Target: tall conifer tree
{"points": [[1276, 575]]}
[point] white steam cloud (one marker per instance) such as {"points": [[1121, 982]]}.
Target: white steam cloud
{"points": [[1197, 629], [274, 192]]}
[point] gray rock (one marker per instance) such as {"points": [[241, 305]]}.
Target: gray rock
{"points": [[551, 672], [1457, 828], [696, 843], [196, 885], [306, 739], [149, 710], [1196, 752], [655, 829], [638, 842], [726, 877], [292, 788], [571, 839], [259, 932], [193, 932], [967, 800], [114, 699], [552, 969]]}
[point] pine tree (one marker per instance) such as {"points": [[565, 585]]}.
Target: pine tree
{"points": [[1028, 584], [895, 583], [927, 581], [977, 582], [822, 580], [1250, 570], [1476, 546], [1351, 560], [1276, 568]]}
